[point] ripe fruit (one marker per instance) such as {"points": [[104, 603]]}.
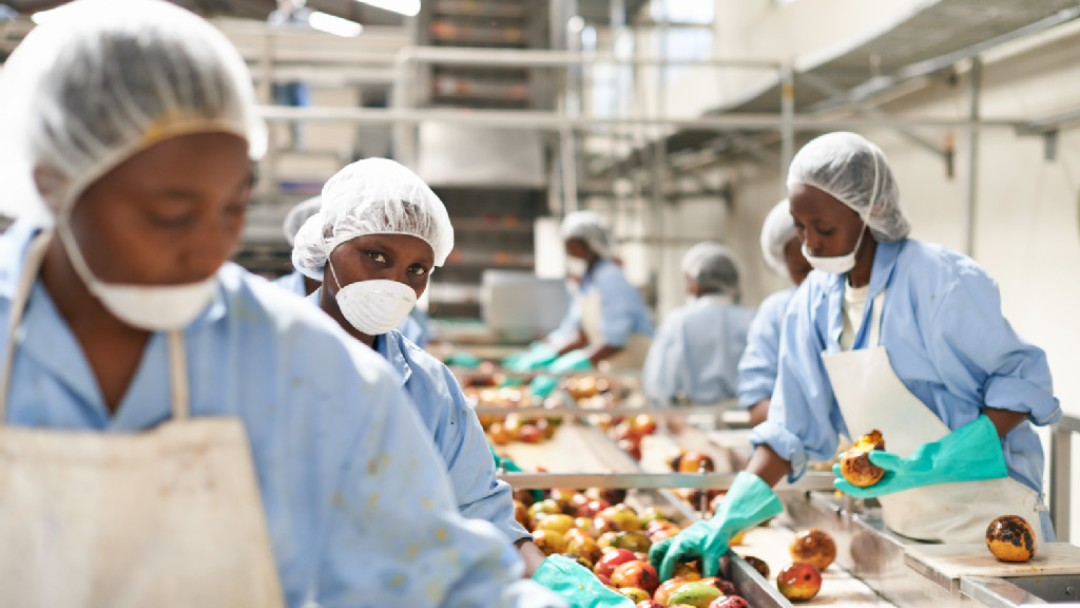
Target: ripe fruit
{"points": [[649, 604], [730, 601], [621, 518], [613, 559], [650, 515], [550, 541], [580, 559], [636, 574], [855, 465], [813, 547], [545, 507], [634, 541], [758, 564], [687, 572], [498, 434], [631, 446], [1011, 539], [694, 462], [799, 581], [584, 546], [635, 594], [530, 433], [556, 522], [725, 587], [642, 425], [659, 530], [664, 591], [696, 594], [521, 514], [594, 507]]}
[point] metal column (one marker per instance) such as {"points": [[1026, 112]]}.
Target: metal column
{"points": [[971, 190]]}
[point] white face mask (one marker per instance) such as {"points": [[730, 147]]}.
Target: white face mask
{"points": [[374, 307], [576, 266], [147, 307], [838, 264]]}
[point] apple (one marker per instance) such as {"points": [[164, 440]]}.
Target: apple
{"points": [[611, 560], [638, 574], [799, 581], [814, 547]]}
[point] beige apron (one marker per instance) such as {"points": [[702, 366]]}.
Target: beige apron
{"points": [[872, 397], [632, 356], [168, 517]]}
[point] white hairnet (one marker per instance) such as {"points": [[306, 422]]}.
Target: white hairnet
{"points": [[299, 214], [372, 196], [778, 229], [589, 227], [101, 80], [855, 172], [713, 267]]}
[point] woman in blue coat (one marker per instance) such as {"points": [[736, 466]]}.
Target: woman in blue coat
{"points": [[899, 335]]}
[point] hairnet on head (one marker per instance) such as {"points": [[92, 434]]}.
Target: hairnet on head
{"points": [[372, 196], [590, 228], [778, 229], [713, 267], [101, 80], [299, 214], [855, 172]]}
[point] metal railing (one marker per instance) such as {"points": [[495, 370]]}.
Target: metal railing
{"points": [[1061, 465]]}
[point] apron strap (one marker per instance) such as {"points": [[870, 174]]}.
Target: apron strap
{"points": [[178, 376], [875, 320], [35, 254]]}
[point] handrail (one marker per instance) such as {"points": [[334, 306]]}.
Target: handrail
{"points": [[653, 481]]}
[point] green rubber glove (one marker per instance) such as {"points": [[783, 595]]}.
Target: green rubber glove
{"points": [[511, 466], [573, 361], [749, 502], [579, 587], [542, 386], [970, 453], [460, 359], [538, 355]]}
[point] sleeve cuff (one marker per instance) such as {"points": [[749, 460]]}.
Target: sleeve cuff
{"points": [[784, 443], [1016, 395]]}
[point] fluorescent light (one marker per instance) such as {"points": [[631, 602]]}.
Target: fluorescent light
{"points": [[409, 8], [334, 25]]}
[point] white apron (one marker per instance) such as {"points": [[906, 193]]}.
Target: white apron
{"points": [[632, 356], [872, 397], [166, 518]]}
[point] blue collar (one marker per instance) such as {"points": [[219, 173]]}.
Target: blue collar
{"points": [[885, 258]]}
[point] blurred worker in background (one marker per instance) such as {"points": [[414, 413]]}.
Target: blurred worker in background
{"points": [[174, 432], [697, 349], [374, 242], [899, 335], [295, 281], [607, 320], [782, 249]]}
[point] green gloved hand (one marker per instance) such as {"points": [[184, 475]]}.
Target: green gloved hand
{"points": [[749, 502], [579, 587], [573, 361], [505, 464], [462, 359], [542, 386], [970, 453], [538, 355]]}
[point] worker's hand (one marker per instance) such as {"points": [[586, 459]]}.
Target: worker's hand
{"points": [[579, 587], [970, 453], [749, 502], [573, 361], [538, 356]]}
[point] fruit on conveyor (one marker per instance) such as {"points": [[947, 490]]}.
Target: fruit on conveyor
{"points": [[635, 594], [799, 582], [697, 594], [638, 574], [855, 465], [730, 601], [1011, 538], [758, 564], [814, 547]]}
